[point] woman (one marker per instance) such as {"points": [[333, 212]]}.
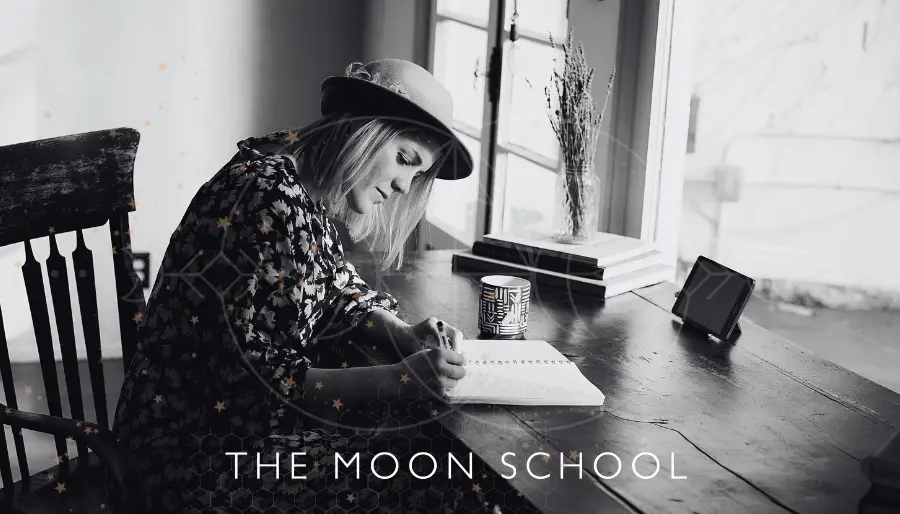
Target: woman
{"points": [[243, 347]]}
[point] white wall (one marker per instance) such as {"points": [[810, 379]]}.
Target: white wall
{"points": [[804, 98], [232, 69]]}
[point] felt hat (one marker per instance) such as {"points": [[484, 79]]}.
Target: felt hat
{"points": [[404, 91]]}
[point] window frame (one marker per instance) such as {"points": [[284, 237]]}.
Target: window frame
{"points": [[484, 139], [650, 112], [653, 202]]}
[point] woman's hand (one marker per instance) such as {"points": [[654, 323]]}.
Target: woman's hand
{"points": [[434, 370], [425, 334]]}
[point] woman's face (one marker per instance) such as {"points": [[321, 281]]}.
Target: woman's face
{"points": [[393, 170]]}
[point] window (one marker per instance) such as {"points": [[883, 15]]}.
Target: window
{"points": [[506, 127], [465, 35], [527, 154], [461, 46]]}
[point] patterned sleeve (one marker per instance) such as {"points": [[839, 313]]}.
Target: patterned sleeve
{"points": [[355, 299], [269, 311]]}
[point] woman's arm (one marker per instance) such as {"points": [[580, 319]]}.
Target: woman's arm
{"points": [[327, 392], [424, 375], [382, 329]]}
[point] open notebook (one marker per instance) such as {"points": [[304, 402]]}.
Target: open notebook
{"points": [[521, 372]]}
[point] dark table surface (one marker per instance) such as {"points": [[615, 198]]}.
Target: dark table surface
{"points": [[758, 425]]}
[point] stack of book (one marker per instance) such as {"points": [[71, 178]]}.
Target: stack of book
{"points": [[607, 266]]}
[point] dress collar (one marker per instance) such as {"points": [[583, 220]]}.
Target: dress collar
{"points": [[247, 150]]}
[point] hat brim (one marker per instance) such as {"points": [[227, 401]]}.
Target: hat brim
{"points": [[364, 98]]}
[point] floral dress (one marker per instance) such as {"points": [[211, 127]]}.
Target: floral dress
{"points": [[254, 290]]}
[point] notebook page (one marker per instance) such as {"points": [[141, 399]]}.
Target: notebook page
{"points": [[512, 351], [521, 372]]}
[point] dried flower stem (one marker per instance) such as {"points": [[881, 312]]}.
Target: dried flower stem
{"points": [[575, 121]]}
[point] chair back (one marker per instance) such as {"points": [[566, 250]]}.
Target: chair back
{"points": [[50, 187]]}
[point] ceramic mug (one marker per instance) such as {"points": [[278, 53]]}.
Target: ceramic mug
{"points": [[503, 306]]}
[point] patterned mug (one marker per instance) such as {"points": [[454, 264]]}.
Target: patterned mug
{"points": [[503, 306]]}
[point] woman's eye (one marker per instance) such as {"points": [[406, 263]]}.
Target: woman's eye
{"points": [[403, 159]]}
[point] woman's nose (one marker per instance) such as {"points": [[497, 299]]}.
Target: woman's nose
{"points": [[402, 184]]}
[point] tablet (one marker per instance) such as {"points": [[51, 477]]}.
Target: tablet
{"points": [[713, 298]]}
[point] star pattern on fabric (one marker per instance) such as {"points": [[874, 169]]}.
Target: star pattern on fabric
{"points": [[370, 324], [28, 389], [409, 276], [573, 455], [138, 317], [404, 378], [223, 223], [279, 228], [291, 137], [351, 498], [157, 398], [60, 487], [476, 488]]}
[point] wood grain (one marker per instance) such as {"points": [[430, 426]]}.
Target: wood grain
{"points": [[69, 182], [758, 425]]}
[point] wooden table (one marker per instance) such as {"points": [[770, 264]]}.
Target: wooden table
{"points": [[760, 425]]}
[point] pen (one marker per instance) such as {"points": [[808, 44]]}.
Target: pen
{"points": [[442, 336]]}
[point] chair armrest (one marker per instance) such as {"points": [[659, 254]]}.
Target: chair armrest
{"points": [[120, 466]]}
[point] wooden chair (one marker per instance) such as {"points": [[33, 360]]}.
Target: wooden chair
{"points": [[48, 187]]}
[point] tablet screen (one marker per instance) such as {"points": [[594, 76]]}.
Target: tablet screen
{"points": [[710, 295]]}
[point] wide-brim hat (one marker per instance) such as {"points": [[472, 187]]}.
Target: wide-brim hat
{"points": [[403, 91]]}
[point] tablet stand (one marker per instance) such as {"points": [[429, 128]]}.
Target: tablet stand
{"points": [[735, 332]]}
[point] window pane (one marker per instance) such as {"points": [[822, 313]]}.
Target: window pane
{"points": [[453, 203], [539, 16], [472, 10], [528, 199], [456, 49], [524, 122]]}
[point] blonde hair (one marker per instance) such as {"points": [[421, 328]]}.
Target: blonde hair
{"points": [[337, 154]]}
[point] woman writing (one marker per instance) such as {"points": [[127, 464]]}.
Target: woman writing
{"points": [[243, 346]]}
